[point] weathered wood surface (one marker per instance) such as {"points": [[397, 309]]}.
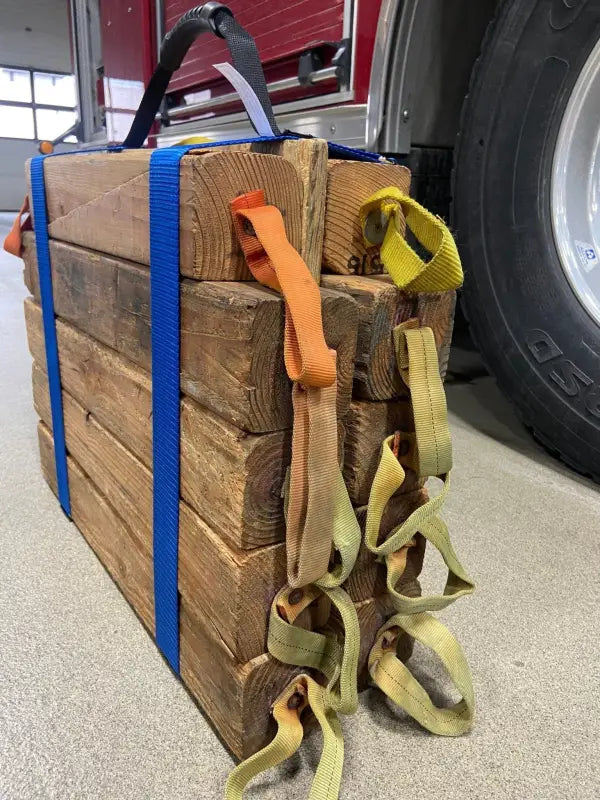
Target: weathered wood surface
{"points": [[381, 307], [232, 479], [231, 588], [231, 339], [100, 201], [367, 425], [368, 577], [309, 156], [349, 184], [235, 696]]}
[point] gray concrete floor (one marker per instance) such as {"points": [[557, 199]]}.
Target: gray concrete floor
{"points": [[88, 709]]}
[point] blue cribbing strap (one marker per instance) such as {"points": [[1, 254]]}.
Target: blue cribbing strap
{"points": [[38, 198], [164, 309]]}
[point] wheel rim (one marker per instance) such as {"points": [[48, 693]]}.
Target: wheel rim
{"points": [[576, 188]]}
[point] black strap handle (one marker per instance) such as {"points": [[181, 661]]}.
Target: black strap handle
{"points": [[210, 17]]}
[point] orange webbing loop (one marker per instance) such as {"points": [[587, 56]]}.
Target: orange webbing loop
{"points": [[13, 243], [275, 263]]}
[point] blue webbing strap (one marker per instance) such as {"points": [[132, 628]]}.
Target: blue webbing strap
{"points": [[164, 310], [38, 198]]}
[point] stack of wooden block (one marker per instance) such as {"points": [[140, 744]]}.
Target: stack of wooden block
{"points": [[236, 410]]}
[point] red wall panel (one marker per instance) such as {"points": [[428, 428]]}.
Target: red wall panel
{"points": [[280, 28]]}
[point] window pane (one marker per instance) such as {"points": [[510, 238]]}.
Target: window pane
{"points": [[16, 122], [51, 124], [15, 85], [54, 90]]}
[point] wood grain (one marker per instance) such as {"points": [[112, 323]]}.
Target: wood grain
{"points": [[242, 583], [381, 307], [235, 696], [100, 201], [349, 184], [367, 425], [231, 479], [309, 156], [231, 339]]}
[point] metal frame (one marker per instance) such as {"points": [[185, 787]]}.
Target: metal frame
{"points": [[231, 97], [394, 33], [342, 123], [86, 88], [33, 105]]}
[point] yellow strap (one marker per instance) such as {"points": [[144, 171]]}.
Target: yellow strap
{"points": [[388, 479], [399, 684], [302, 692], [407, 269], [418, 364], [295, 645]]}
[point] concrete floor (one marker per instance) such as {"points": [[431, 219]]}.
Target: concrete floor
{"points": [[88, 708]]}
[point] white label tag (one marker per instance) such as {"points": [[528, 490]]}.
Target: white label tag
{"points": [[587, 255], [248, 97]]}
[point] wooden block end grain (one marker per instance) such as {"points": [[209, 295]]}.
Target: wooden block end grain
{"points": [[349, 184]]}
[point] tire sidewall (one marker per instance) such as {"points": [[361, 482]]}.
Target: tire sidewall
{"points": [[535, 335]]}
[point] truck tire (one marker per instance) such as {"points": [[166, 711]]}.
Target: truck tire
{"points": [[526, 211]]}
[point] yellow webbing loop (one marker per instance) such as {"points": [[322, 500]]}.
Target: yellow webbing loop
{"points": [[418, 365], [429, 452], [408, 270], [399, 684], [322, 652], [301, 693], [294, 645], [388, 479]]}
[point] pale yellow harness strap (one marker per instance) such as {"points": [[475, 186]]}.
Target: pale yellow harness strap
{"points": [[302, 692], [339, 663], [418, 364], [319, 511], [400, 685]]}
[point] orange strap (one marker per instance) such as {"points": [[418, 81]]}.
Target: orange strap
{"points": [[276, 264], [12, 242]]}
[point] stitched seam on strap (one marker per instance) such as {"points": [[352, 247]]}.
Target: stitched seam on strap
{"points": [[443, 720], [435, 438], [295, 646]]}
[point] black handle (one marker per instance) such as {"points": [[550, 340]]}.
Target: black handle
{"points": [[180, 38], [209, 17]]}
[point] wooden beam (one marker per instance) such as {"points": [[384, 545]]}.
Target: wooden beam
{"points": [[232, 332], [367, 425], [100, 201], [235, 696], [231, 479], [381, 307], [349, 184]]}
